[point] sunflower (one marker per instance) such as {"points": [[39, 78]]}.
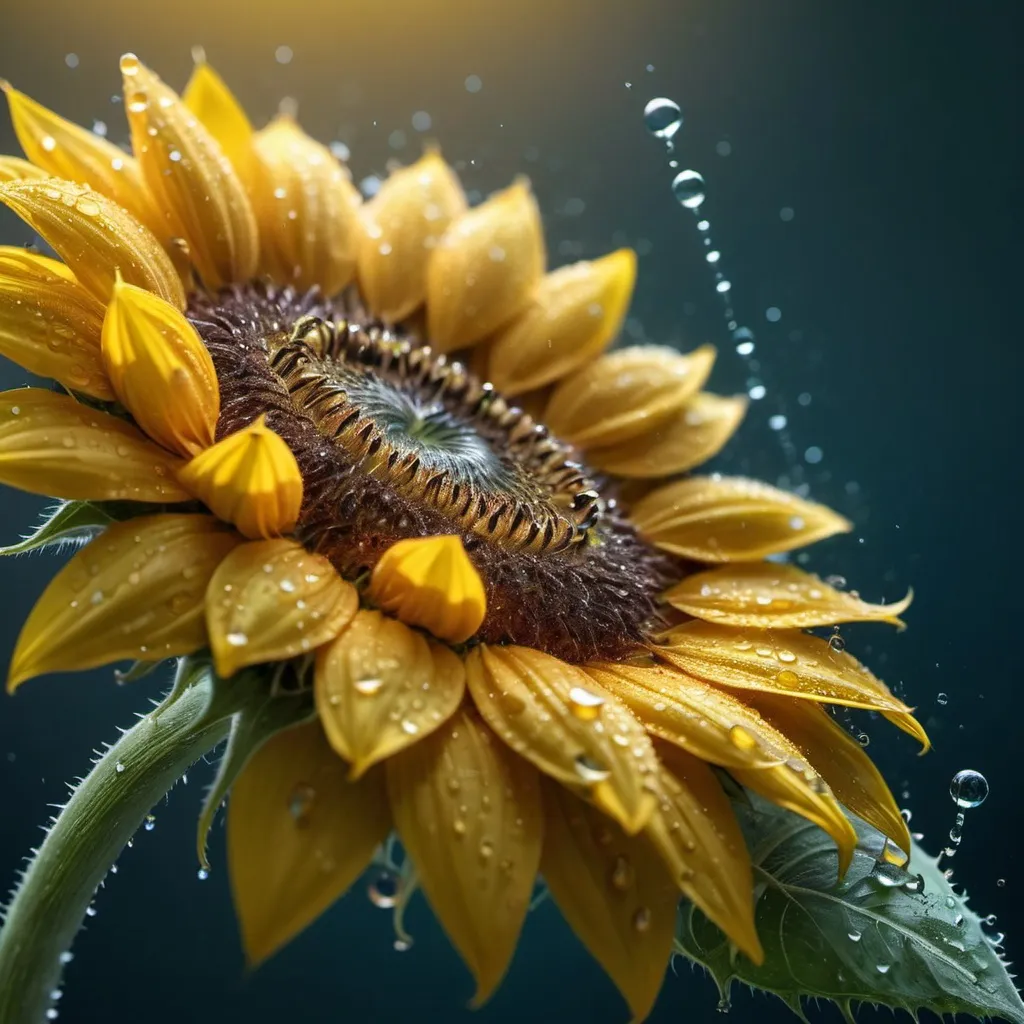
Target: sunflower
{"points": [[380, 445]]}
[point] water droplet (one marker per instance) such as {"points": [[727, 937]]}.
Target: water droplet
{"points": [[409, 727], [119, 767], [853, 936], [942, 698], [1000, 882], [585, 704], [402, 945], [384, 889], [150, 823], [837, 643], [237, 639], [90, 911], [882, 968], [300, 802], [49, 143], [202, 874], [486, 848], [589, 770], [888, 875], [622, 873], [663, 118], [129, 64], [968, 788], [368, 687], [642, 919], [741, 738], [688, 188], [66, 957]]}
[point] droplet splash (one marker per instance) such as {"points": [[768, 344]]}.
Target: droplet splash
{"points": [[968, 790]]}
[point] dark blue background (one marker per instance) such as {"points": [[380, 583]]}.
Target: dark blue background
{"points": [[892, 130]]}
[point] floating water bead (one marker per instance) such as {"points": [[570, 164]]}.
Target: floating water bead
{"points": [[968, 789], [663, 118]]}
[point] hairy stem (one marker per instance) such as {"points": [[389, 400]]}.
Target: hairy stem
{"points": [[88, 835]]}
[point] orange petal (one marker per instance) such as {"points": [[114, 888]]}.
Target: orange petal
{"points": [[189, 179], [13, 168], [96, 237], [839, 759], [697, 835], [307, 210], [694, 434], [469, 814], [50, 444], [573, 315], [270, 600], [160, 370], [784, 661], [207, 96], [430, 582], [404, 223], [556, 716], [49, 324], [770, 595], [67, 150], [625, 394], [614, 892], [299, 834], [725, 519], [136, 591], [251, 479], [484, 269], [380, 686]]}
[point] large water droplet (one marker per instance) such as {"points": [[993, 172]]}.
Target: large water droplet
{"points": [[584, 703], [968, 788], [688, 188], [663, 118], [589, 770], [368, 687], [383, 890]]}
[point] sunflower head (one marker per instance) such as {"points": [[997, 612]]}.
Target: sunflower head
{"points": [[382, 445]]}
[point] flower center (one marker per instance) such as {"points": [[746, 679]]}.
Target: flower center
{"points": [[395, 442]]}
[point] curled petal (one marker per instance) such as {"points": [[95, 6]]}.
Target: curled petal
{"points": [[209, 98], [718, 728], [430, 582], [697, 835], [189, 179], [51, 444], [469, 814], [307, 210], [839, 759], [50, 324], [136, 591], [725, 519], [573, 315], [484, 269], [404, 223], [13, 168], [614, 892], [299, 834], [160, 370], [67, 150], [693, 435], [627, 393], [381, 686], [270, 600], [95, 237], [572, 729], [251, 479], [771, 595], [786, 662]]}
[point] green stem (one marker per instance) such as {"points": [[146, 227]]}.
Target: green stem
{"points": [[103, 813]]}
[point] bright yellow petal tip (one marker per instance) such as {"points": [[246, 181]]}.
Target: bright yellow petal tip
{"points": [[13, 168], [209, 98], [250, 479], [430, 582], [160, 370]]}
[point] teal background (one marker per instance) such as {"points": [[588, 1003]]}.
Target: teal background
{"points": [[892, 131]]}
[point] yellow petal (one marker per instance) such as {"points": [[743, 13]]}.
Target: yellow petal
{"points": [[697, 835], [270, 600], [380, 686], [136, 591], [51, 444], [484, 269], [783, 661], [160, 370], [251, 479], [404, 223], [189, 179], [692, 436], [67, 150], [299, 834], [614, 892], [839, 759], [469, 815], [307, 210], [430, 582], [573, 315], [13, 168], [209, 98], [556, 716], [626, 393], [725, 519], [95, 236], [49, 324], [770, 595]]}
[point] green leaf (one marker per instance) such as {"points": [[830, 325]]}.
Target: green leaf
{"points": [[72, 522], [900, 938]]}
